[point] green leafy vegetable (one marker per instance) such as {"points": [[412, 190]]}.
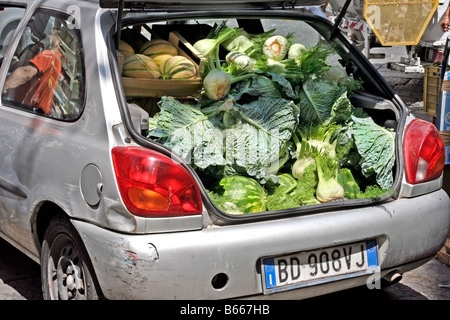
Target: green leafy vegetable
{"points": [[322, 102], [348, 182], [376, 146], [291, 193], [216, 81], [317, 149], [187, 131], [313, 61], [262, 113], [279, 198], [249, 137]]}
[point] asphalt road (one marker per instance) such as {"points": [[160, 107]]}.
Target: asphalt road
{"points": [[19, 275]]}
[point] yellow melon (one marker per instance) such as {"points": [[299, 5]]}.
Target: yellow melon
{"points": [[140, 66], [178, 67], [125, 49], [161, 58], [158, 47]]}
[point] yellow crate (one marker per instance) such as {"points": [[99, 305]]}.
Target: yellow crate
{"points": [[399, 22], [431, 88]]}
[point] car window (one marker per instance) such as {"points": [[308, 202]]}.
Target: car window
{"points": [[9, 20], [47, 75]]}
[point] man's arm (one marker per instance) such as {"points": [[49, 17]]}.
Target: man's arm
{"points": [[20, 76]]}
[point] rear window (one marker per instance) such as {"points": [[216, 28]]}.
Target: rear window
{"points": [[270, 115]]}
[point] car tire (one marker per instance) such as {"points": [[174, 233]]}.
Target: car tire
{"points": [[66, 271]]}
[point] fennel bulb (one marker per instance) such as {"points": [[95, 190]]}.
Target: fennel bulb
{"points": [[243, 61], [296, 51], [300, 166], [276, 47], [208, 46], [328, 188], [217, 84]]}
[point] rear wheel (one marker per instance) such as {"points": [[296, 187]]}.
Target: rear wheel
{"points": [[66, 271]]}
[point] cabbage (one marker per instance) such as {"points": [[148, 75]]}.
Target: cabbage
{"points": [[322, 102], [376, 146], [249, 137]]}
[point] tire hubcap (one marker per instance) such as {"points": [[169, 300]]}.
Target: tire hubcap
{"points": [[67, 281]]}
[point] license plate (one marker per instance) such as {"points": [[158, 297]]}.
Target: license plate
{"points": [[319, 266]]}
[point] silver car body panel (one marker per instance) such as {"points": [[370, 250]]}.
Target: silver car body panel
{"points": [[188, 261]]}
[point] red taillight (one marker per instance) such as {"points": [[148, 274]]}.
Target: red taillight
{"points": [[424, 152], [152, 185]]}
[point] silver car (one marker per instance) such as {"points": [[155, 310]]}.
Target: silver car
{"points": [[115, 181]]}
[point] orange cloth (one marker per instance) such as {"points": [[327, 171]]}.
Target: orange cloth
{"points": [[41, 94]]}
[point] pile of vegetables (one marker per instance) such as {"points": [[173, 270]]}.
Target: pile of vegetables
{"points": [[274, 128]]}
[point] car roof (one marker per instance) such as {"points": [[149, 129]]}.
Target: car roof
{"points": [[202, 4]]}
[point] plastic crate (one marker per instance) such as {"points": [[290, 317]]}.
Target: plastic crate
{"points": [[431, 88]]}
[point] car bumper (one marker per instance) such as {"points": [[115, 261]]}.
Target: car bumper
{"points": [[182, 265]]}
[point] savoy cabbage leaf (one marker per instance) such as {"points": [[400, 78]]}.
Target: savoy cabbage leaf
{"points": [[320, 100], [376, 146], [188, 132], [247, 138]]}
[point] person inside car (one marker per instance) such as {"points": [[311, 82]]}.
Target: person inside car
{"points": [[43, 71]]}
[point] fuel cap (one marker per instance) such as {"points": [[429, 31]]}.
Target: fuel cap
{"points": [[91, 184]]}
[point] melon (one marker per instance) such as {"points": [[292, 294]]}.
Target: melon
{"points": [[178, 67], [125, 49], [140, 66], [161, 58], [157, 47], [245, 193]]}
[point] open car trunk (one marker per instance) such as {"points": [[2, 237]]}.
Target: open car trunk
{"points": [[312, 128]]}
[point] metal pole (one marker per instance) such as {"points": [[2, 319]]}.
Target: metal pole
{"points": [[119, 22], [338, 20]]}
